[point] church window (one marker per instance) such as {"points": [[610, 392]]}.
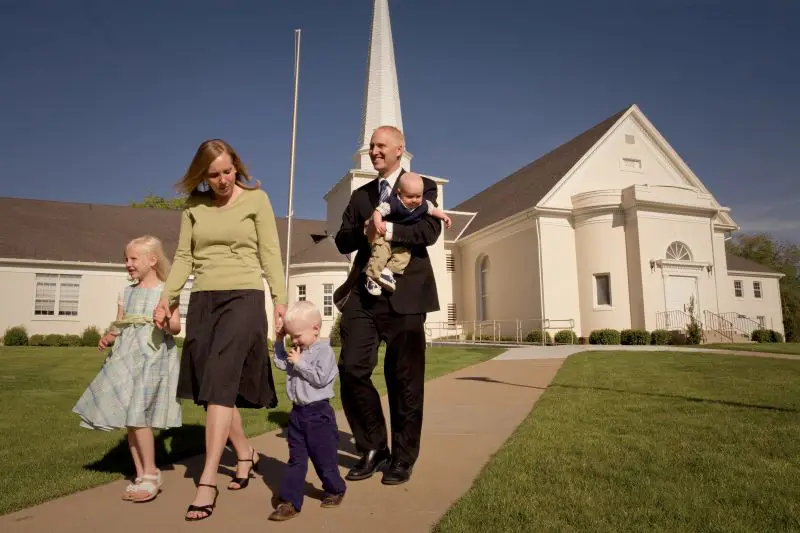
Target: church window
{"points": [[677, 251]]}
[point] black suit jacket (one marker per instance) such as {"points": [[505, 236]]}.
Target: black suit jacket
{"points": [[416, 287]]}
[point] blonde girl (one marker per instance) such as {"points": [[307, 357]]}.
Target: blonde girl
{"points": [[136, 388]]}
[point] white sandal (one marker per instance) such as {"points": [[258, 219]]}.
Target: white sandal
{"points": [[149, 484], [131, 488]]}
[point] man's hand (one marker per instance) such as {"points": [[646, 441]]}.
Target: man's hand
{"points": [[370, 230], [294, 356], [107, 340]]}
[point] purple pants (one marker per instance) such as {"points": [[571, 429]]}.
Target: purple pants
{"points": [[313, 434]]}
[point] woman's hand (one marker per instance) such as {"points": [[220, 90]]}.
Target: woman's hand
{"points": [[162, 314], [280, 312]]}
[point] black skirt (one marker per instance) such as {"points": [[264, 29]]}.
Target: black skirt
{"points": [[225, 357]]}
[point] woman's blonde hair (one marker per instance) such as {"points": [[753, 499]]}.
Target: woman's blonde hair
{"points": [[207, 152], [153, 246]]}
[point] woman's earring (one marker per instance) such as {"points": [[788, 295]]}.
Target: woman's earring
{"points": [[202, 186]]}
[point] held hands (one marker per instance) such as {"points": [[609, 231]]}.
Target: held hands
{"points": [[162, 314], [280, 312]]}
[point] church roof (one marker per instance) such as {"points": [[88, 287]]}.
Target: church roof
{"points": [[527, 186], [740, 264], [97, 233]]}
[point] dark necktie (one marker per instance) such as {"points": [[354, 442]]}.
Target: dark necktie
{"points": [[385, 189]]}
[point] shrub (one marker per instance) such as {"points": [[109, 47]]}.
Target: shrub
{"points": [[634, 337], [72, 340], [90, 337], [535, 336], [766, 335], [566, 336], [36, 340], [694, 331], [660, 337], [335, 335], [16, 336], [180, 340], [604, 336]]}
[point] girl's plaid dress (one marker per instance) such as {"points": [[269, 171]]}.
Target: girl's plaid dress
{"points": [[137, 385]]}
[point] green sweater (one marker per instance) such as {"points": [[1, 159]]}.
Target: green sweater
{"points": [[228, 247]]}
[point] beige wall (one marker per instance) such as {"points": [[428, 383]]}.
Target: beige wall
{"points": [[560, 274], [99, 290], [768, 306], [657, 230], [314, 280], [606, 168], [513, 280], [601, 249]]}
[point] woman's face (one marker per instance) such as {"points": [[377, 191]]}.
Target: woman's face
{"points": [[221, 176]]}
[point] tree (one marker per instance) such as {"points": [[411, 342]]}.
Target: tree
{"points": [[782, 257], [157, 202]]}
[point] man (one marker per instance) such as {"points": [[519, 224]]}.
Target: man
{"points": [[397, 318]]}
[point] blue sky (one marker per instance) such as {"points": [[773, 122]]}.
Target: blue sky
{"points": [[106, 102]]}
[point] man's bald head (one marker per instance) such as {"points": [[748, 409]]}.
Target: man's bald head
{"points": [[385, 148]]}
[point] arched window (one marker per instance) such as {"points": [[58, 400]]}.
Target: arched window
{"points": [[481, 286], [677, 251]]}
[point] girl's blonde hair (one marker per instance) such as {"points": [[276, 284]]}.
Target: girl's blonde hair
{"points": [[153, 246], [206, 153]]}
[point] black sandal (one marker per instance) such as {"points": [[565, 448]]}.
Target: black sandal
{"points": [[244, 481], [208, 509]]}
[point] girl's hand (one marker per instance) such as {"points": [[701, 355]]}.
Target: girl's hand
{"points": [[161, 314], [294, 356], [107, 340]]}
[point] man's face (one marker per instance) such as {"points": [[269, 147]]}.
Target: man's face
{"points": [[385, 149]]}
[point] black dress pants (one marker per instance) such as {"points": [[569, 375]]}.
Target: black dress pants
{"points": [[367, 320]]}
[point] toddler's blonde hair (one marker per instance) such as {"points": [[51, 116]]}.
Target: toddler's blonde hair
{"points": [[303, 310], [153, 246]]}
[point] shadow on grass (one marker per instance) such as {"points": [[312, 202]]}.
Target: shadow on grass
{"points": [[680, 397], [485, 379]]}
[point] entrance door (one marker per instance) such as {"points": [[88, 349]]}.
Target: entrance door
{"points": [[679, 292]]}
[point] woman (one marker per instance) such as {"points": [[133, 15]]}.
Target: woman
{"points": [[227, 238]]}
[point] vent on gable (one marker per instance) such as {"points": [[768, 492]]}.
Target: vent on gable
{"points": [[629, 163], [629, 139], [451, 314], [450, 261]]}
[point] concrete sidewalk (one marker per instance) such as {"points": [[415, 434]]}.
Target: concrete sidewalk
{"points": [[563, 351], [468, 415]]}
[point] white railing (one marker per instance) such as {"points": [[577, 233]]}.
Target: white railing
{"points": [[719, 325], [674, 320], [512, 331], [742, 324]]}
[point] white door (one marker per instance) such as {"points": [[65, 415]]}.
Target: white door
{"points": [[679, 292]]}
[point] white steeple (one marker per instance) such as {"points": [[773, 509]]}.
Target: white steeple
{"points": [[381, 94]]}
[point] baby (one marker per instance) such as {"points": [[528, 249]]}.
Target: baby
{"points": [[405, 207]]}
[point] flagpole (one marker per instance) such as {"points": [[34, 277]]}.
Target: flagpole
{"points": [[289, 211]]}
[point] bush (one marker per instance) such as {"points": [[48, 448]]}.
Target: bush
{"points": [[72, 340], [604, 336], [766, 335], [180, 340], [566, 336], [694, 331], [535, 336], [335, 335], [91, 337], [36, 340], [660, 337], [16, 336], [634, 337]]}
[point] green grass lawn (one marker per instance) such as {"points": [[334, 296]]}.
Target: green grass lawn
{"points": [[656, 442], [792, 348], [44, 454]]}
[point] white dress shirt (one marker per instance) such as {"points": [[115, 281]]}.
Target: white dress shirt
{"points": [[392, 179]]}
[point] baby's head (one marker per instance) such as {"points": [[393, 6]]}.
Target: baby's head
{"points": [[410, 189], [302, 323]]}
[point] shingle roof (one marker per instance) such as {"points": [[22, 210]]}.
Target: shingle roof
{"points": [[459, 222], [94, 233], [527, 186], [741, 264]]}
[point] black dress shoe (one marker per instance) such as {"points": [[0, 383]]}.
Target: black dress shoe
{"points": [[369, 463], [398, 473]]}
